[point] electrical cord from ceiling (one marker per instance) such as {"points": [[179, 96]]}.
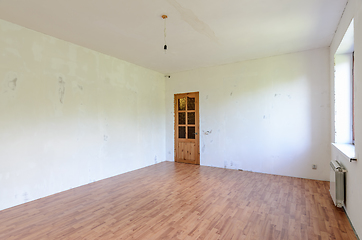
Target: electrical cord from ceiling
{"points": [[164, 32]]}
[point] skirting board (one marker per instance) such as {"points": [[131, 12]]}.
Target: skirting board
{"points": [[354, 230]]}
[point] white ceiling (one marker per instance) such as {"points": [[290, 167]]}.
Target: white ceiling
{"points": [[200, 33]]}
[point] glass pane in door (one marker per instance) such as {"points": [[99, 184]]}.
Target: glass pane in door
{"points": [[181, 132], [190, 103], [181, 118], [191, 132], [191, 118], [182, 104]]}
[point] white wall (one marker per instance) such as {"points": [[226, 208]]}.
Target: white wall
{"points": [[269, 115], [70, 116], [354, 175]]}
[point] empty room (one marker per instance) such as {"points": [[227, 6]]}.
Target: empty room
{"points": [[172, 119]]}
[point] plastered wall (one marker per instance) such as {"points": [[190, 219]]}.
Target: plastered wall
{"points": [[354, 174], [70, 116], [269, 115]]}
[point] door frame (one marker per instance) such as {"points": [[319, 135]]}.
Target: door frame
{"points": [[197, 125]]}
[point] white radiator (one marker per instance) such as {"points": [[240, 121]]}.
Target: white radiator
{"points": [[337, 183]]}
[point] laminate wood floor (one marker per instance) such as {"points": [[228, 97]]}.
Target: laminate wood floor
{"points": [[181, 201]]}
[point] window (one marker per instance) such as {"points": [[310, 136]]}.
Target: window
{"points": [[353, 133], [344, 89]]}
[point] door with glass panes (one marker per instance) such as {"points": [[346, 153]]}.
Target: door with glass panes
{"points": [[187, 128]]}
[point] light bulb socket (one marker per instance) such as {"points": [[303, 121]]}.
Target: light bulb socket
{"points": [[165, 47]]}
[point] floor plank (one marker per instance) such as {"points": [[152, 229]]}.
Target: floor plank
{"points": [[182, 201]]}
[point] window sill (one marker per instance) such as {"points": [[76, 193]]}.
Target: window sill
{"points": [[347, 149]]}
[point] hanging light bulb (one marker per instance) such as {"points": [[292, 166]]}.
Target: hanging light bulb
{"points": [[164, 17]]}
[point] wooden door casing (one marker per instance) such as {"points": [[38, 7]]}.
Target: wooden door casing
{"points": [[186, 143]]}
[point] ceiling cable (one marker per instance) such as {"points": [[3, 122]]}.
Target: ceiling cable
{"points": [[164, 32]]}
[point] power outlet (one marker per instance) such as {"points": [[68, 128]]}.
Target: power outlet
{"points": [[314, 166]]}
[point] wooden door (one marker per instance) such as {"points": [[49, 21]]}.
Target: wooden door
{"points": [[187, 128]]}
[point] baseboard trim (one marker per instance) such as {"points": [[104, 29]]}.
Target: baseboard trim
{"points": [[354, 230]]}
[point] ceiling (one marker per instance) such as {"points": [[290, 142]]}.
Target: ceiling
{"points": [[200, 33]]}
